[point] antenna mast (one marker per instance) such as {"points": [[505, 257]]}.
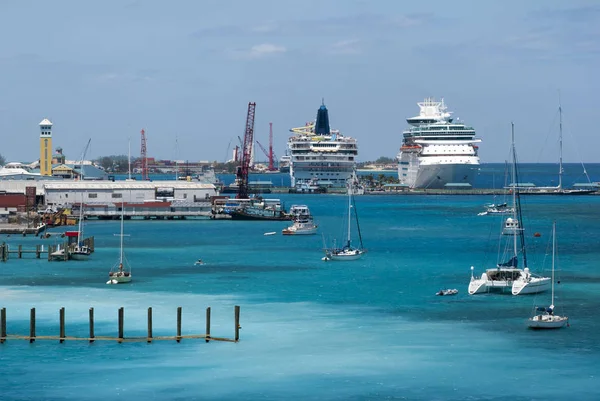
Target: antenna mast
{"points": [[144, 157]]}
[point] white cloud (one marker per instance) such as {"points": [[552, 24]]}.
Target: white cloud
{"points": [[265, 49], [349, 46], [258, 51]]}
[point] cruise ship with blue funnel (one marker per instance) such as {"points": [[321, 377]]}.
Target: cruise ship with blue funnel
{"points": [[321, 156]]}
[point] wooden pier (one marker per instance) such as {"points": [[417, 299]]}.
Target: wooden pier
{"points": [[120, 337], [51, 250]]}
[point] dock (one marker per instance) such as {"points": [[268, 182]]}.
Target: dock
{"points": [[120, 337], [21, 229], [50, 250]]}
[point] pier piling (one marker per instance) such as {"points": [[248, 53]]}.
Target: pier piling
{"points": [[178, 338], [62, 337], [20, 251], [237, 323], [121, 319], [2, 325], [62, 324], [91, 325], [32, 325], [207, 324], [149, 340]]}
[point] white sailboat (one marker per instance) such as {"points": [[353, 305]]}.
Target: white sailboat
{"points": [[506, 275], [120, 272], [80, 252], [559, 189], [544, 317], [347, 252]]}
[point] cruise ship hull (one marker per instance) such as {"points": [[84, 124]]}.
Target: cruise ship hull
{"points": [[436, 176]]}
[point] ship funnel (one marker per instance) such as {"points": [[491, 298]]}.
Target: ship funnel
{"points": [[322, 124]]}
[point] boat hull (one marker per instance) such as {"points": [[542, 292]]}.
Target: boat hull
{"points": [[80, 256], [414, 173], [119, 279], [517, 281], [344, 255], [547, 322], [241, 215], [288, 231], [436, 176]]}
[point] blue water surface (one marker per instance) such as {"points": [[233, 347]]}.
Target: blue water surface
{"points": [[312, 330]]}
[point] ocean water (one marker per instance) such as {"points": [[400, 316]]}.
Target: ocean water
{"points": [[311, 330]]}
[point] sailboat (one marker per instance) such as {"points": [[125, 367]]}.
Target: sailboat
{"points": [[507, 274], [120, 273], [81, 252], [347, 252], [559, 190], [544, 317]]}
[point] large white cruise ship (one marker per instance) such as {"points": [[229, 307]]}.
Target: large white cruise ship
{"points": [[436, 151], [321, 156]]}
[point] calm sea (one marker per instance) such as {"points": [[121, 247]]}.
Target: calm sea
{"points": [[312, 330]]}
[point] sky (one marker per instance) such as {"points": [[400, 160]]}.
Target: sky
{"points": [[185, 71]]}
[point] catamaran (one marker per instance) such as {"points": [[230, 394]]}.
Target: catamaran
{"points": [[506, 275]]}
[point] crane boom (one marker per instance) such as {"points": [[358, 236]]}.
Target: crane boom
{"points": [[244, 168]]}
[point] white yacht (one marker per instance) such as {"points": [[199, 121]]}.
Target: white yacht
{"points": [[436, 151], [319, 153], [303, 222]]}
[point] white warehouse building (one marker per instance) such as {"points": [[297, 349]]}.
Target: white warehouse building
{"points": [[58, 193]]}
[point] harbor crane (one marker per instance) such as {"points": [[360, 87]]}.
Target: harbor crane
{"points": [[244, 167], [270, 155]]}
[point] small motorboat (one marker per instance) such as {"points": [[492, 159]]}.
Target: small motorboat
{"points": [[270, 233], [199, 262], [447, 291]]}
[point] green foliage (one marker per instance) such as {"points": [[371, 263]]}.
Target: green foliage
{"points": [[114, 163]]}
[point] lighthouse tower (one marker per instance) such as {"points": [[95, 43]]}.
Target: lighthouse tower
{"points": [[45, 147]]}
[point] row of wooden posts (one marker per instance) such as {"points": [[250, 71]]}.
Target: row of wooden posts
{"points": [[39, 249], [62, 337]]}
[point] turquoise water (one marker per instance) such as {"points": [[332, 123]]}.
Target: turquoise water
{"points": [[313, 330]]}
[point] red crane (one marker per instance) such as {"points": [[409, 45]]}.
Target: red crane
{"points": [[269, 154], [144, 157], [244, 167]]}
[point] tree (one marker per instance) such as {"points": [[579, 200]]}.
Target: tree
{"points": [[2, 160], [384, 160]]}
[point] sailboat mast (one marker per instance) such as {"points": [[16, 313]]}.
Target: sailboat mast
{"points": [[553, 256], [514, 189], [560, 144], [349, 211], [79, 226], [129, 160], [121, 253]]}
